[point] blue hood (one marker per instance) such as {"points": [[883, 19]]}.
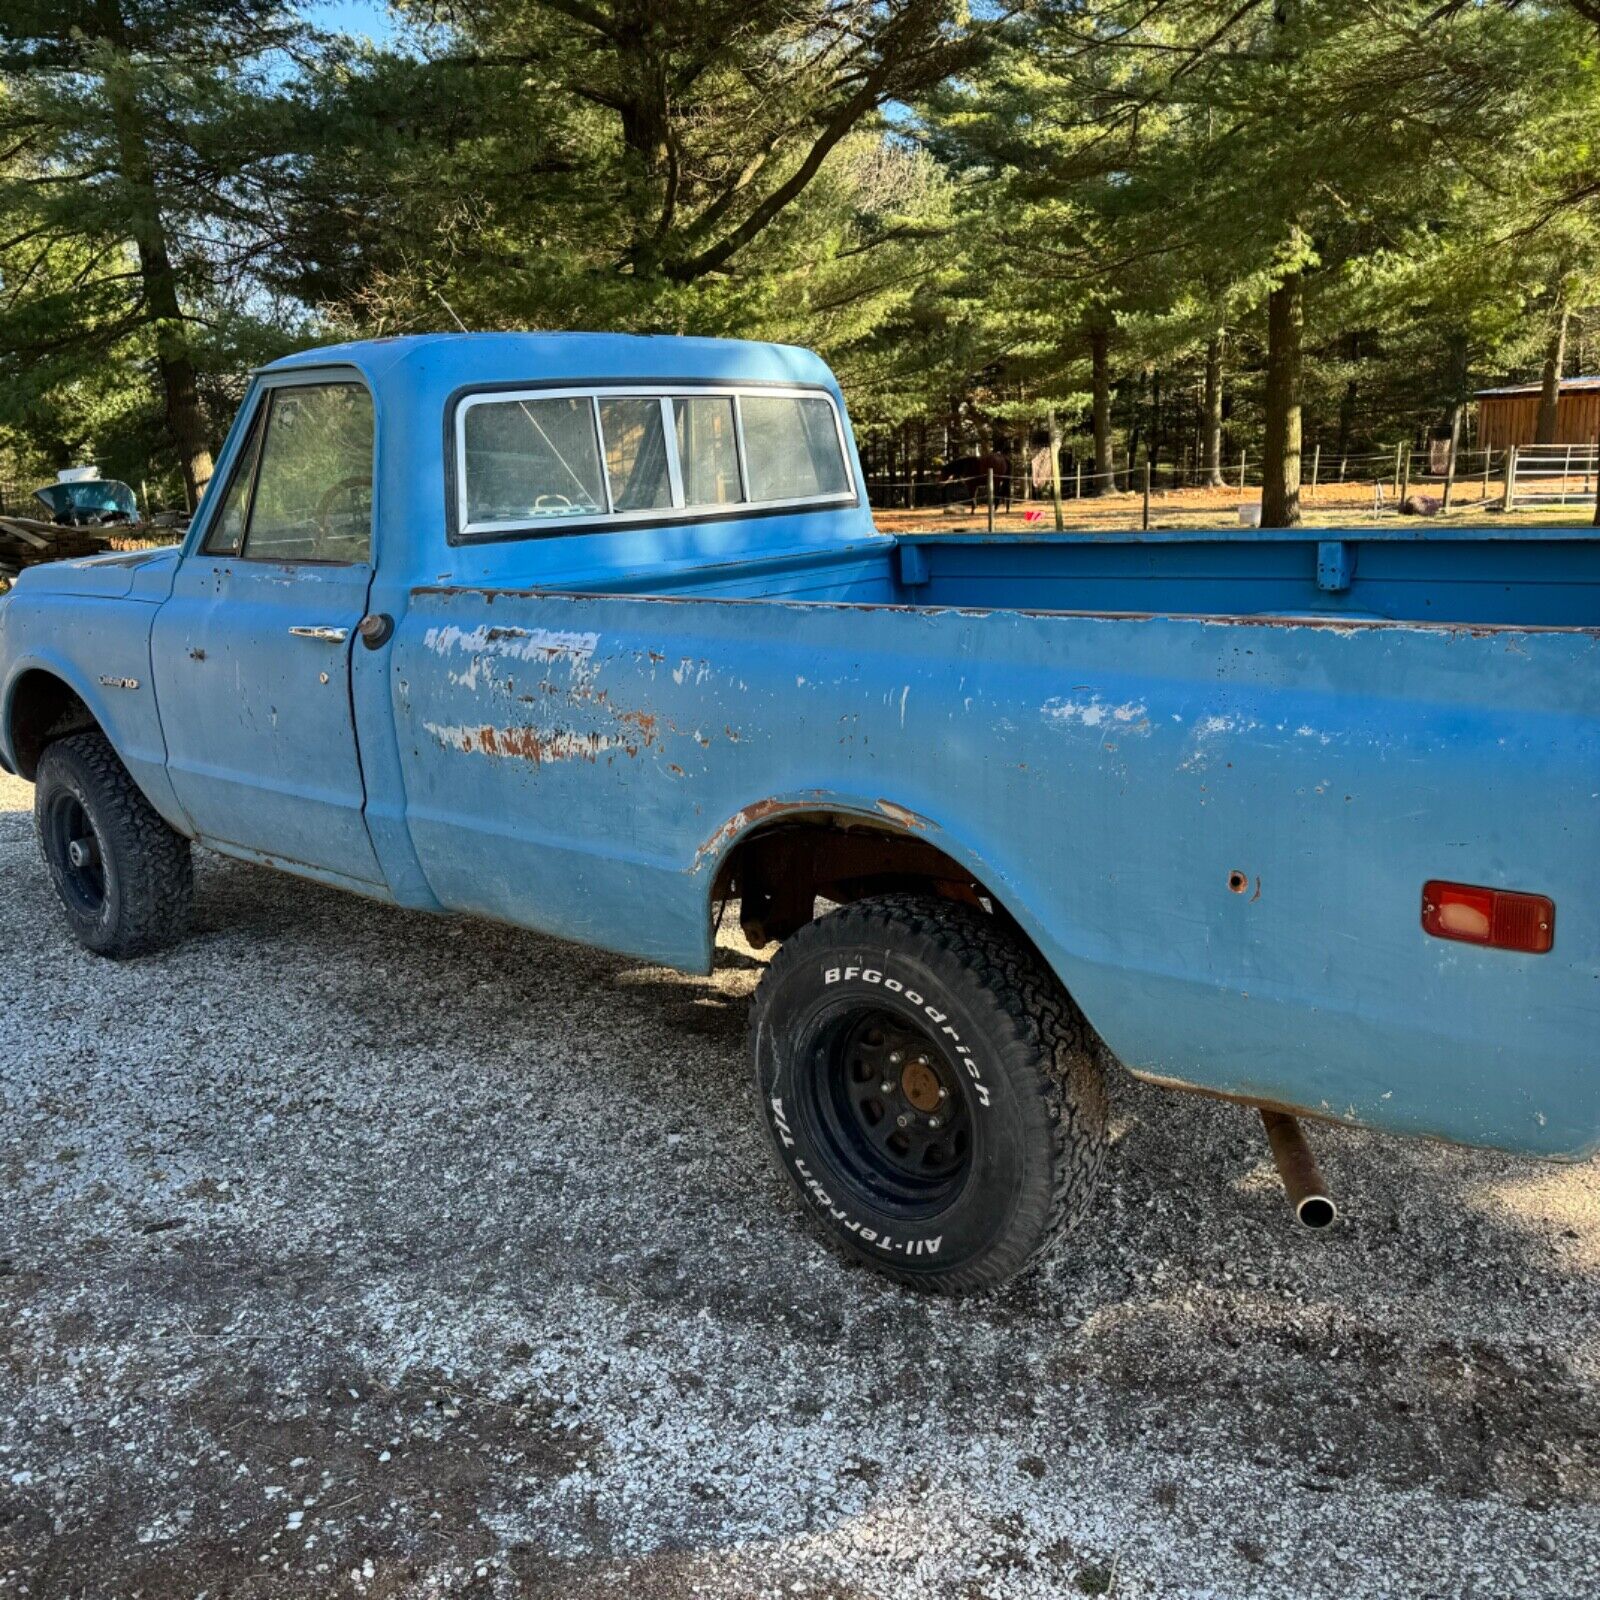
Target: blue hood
{"points": [[144, 573]]}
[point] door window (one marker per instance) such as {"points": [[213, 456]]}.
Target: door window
{"points": [[313, 493], [302, 489]]}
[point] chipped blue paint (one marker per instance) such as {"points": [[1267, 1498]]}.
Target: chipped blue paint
{"points": [[1207, 772]]}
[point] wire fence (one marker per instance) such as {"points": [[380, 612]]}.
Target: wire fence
{"points": [[1374, 483], [1399, 469]]}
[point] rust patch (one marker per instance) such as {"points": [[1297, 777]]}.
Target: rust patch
{"points": [[534, 744], [906, 818], [739, 821], [644, 721]]}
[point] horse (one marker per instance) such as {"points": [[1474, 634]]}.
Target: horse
{"points": [[973, 472]]}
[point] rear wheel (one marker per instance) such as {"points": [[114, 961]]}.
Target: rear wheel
{"points": [[931, 1091], [124, 877]]}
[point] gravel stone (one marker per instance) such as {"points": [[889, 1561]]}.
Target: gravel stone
{"points": [[345, 1251]]}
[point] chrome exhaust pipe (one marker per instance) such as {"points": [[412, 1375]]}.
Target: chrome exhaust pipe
{"points": [[1303, 1182]]}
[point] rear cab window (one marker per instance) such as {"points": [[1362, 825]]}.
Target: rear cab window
{"points": [[550, 461]]}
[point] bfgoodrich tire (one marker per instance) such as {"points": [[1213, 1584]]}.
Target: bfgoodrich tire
{"points": [[930, 1090], [124, 877]]}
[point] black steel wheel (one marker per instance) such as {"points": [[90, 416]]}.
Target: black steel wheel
{"points": [[891, 1110], [73, 849], [932, 1093]]}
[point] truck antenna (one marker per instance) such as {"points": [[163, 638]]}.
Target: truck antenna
{"points": [[452, 310]]}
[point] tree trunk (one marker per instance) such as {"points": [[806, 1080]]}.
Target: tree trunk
{"points": [[1555, 354], [649, 135], [1212, 424], [185, 421], [1280, 495], [1100, 356]]}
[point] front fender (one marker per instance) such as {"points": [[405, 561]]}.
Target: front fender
{"points": [[108, 668]]}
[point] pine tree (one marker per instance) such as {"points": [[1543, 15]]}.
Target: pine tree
{"points": [[125, 128]]}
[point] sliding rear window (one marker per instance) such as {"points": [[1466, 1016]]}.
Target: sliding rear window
{"points": [[552, 460]]}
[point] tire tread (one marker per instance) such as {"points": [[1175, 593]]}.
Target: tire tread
{"points": [[155, 872], [1052, 1052]]}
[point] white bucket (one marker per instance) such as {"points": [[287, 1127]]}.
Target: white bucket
{"points": [[1250, 515]]}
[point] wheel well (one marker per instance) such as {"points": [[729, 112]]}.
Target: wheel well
{"points": [[43, 709], [778, 874]]}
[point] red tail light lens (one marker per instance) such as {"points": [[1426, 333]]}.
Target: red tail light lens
{"points": [[1499, 918]]}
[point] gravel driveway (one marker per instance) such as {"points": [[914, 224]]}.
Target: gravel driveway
{"points": [[348, 1252]]}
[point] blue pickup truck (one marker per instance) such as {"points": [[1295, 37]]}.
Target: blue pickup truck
{"points": [[595, 635]]}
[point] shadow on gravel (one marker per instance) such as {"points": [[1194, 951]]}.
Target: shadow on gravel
{"points": [[353, 1251]]}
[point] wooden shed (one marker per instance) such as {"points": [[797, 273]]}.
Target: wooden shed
{"points": [[1511, 416]]}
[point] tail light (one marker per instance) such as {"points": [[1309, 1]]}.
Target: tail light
{"points": [[1502, 919]]}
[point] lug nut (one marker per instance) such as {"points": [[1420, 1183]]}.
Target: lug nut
{"points": [[944, 1093], [886, 1086], [935, 1122], [900, 1122], [895, 1058]]}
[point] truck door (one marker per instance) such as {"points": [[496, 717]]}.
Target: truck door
{"points": [[251, 654]]}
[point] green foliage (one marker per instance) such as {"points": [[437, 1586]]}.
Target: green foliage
{"points": [[951, 204]]}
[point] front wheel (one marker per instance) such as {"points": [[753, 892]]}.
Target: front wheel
{"points": [[123, 876], [931, 1091]]}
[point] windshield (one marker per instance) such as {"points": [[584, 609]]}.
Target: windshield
{"points": [[101, 497]]}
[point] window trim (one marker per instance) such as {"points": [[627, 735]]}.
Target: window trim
{"points": [[463, 531]]}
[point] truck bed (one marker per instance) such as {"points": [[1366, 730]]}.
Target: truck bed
{"points": [[1485, 576], [1208, 774]]}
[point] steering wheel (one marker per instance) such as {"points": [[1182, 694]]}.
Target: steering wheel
{"points": [[324, 510]]}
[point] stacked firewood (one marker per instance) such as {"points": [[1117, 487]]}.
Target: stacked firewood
{"points": [[25, 541]]}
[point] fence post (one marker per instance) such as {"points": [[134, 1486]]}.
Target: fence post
{"points": [[991, 499], [1397, 449], [1147, 494], [1450, 465], [1077, 485], [1511, 477], [1316, 465], [1566, 472], [1241, 468], [1488, 456], [1344, 461], [1405, 477], [1055, 469]]}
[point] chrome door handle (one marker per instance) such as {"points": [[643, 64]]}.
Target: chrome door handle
{"points": [[326, 635]]}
